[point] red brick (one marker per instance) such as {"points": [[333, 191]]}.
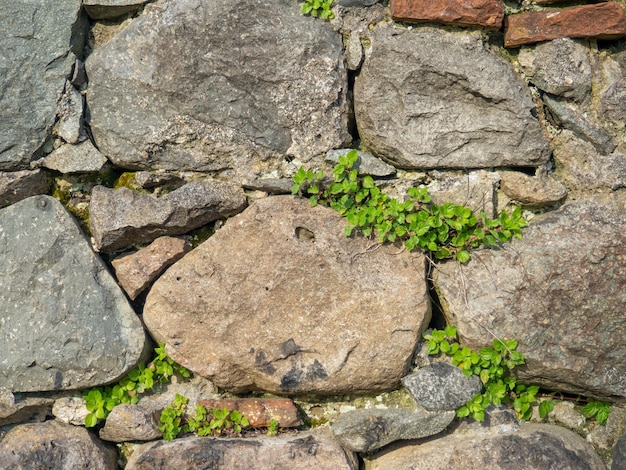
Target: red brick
{"points": [[599, 21], [259, 411], [485, 13]]}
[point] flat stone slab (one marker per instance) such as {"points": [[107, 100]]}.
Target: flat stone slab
{"points": [[62, 316], [486, 13], [605, 20]]}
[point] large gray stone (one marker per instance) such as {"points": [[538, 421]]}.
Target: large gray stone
{"points": [[279, 299], [37, 48], [560, 291], [279, 90], [307, 451], [426, 98], [62, 316], [18, 185], [532, 447], [122, 217], [52, 445]]}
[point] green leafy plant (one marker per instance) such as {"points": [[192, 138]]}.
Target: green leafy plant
{"points": [[598, 409], [319, 8], [101, 400], [492, 365], [445, 231], [204, 422], [272, 428]]}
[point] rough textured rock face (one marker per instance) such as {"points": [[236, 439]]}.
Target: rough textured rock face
{"points": [[486, 13], [281, 89], [65, 321], [54, 445], [429, 99], [314, 451], [18, 185], [280, 300], [556, 290], [122, 217], [38, 47], [532, 447]]}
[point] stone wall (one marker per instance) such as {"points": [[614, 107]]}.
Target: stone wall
{"points": [[146, 156]]}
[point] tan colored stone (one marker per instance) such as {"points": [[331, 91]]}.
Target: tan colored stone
{"points": [[486, 13], [137, 270], [532, 192], [259, 411], [599, 21]]}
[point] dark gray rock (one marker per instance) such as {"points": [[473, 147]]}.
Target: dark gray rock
{"points": [[292, 306], [131, 423], [570, 118], [531, 447], [613, 96], [20, 408], [619, 454], [18, 185], [120, 218], [107, 9], [427, 98], [442, 386], [559, 291], [365, 430], [271, 185], [66, 322], [560, 67], [306, 450], [52, 445], [38, 47], [280, 90], [356, 3]]}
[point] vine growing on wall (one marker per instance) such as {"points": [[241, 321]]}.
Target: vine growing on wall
{"points": [[444, 231]]}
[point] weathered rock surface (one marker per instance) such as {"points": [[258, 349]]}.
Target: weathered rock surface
{"points": [[64, 319], [122, 217], [106, 9], [55, 446], [130, 423], [427, 98], [81, 158], [486, 13], [365, 430], [18, 185], [70, 114], [619, 454], [366, 163], [532, 192], [532, 447], [560, 67], [600, 21], [442, 386], [136, 271], [559, 291], [38, 48], [21, 409], [611, 106], [259, 411], [70, 410], [580, 167], [280, 90], [476, 190], [307, 450], [291, 305]]}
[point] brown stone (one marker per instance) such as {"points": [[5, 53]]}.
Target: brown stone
{"points": [[486, 13], [259, 411], [532, 192], [598, 21], [137, 270]]}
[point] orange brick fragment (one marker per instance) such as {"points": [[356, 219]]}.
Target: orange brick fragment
{"points": [[259, 411], [485, 13], [598, 21]]}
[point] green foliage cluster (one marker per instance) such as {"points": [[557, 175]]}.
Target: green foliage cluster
{"points": [[205, 422], [272, 429], [598, 409], [493, 365], [445, 231], [101, 400], [317, 8]]}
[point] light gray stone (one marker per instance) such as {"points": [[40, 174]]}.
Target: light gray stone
{"points": [[37, 48], [354, 51], [532, 192], [280, 90], [18, 185], [366, 164], [70, 112], [314, 450], [476, 190], [130, 423], [291, 304], [64, 319], [70, 410], [619, 454], [81, 158], [52, 445], [365, 430], [442, 386], [532, 447], [427, 98], [559, 291], [122, 217], [560, 67]]}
